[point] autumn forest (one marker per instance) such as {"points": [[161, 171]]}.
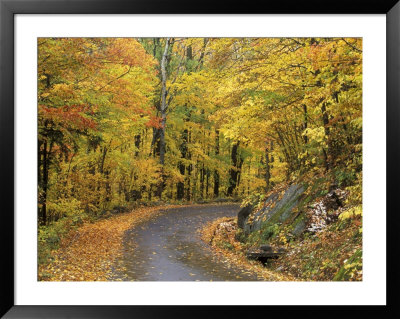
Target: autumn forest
{"points": [[135, 123]]}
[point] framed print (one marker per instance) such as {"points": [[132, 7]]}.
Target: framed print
{"points": [[166, 159]]}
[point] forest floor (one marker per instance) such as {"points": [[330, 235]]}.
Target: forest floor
{"points": [[316, 258], [88, 252], [220, 236], [156, 243]]}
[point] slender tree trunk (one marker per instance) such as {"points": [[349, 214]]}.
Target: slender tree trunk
{"points": [[239, 170], [202, 175], [180, 187], [108, 186], [155, 143], [234, 172], [194, 184], [189, 177], [45, 176], [46, 163], [103, 158], [163, 106], [189, 170], [216, 174], [305, 125], [40, 143], [43, 181], [207, 182], [163, 111], [267, 168], [137, 144], [327, 153], [201, 58]]}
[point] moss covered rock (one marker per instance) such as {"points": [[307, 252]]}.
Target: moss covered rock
{"points": [[278, 208]]}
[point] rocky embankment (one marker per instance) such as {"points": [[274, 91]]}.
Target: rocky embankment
{"points": [[296, 230], [292, 208]]}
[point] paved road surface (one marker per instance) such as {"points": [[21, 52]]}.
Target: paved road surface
{"points": [[169, 248]]}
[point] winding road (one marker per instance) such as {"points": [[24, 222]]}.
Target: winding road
{"points": [[169, 248]]}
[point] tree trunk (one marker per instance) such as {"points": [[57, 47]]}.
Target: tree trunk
{"points": [[137, 144], [163, 106], [267, 169], [46, 162], [45, 176], [305, 138], [40, 143], [180, 187], [207, 182], [103, 158], [234, 172], [189, 169], [327, 154], [189, 176], [202, 175], [163, 111], [43, 181], [203, 50], [216, 174]]}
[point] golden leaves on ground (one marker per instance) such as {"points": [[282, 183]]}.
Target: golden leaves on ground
{"points": [[332, 254], [325, 256], [220, 234], [88, 253]]}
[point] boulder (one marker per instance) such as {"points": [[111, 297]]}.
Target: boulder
{"points": [[243, 214], [277, 208], [299, 227]]}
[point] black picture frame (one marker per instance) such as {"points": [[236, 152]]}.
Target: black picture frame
{"points": [[8, 8]]}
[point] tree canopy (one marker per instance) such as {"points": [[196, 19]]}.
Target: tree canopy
{"points": [[123, 121]]}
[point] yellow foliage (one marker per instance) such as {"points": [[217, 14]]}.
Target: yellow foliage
{"points": [[353, 212]]}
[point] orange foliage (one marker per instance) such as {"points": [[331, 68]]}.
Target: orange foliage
{"points": [[88, 253]]}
